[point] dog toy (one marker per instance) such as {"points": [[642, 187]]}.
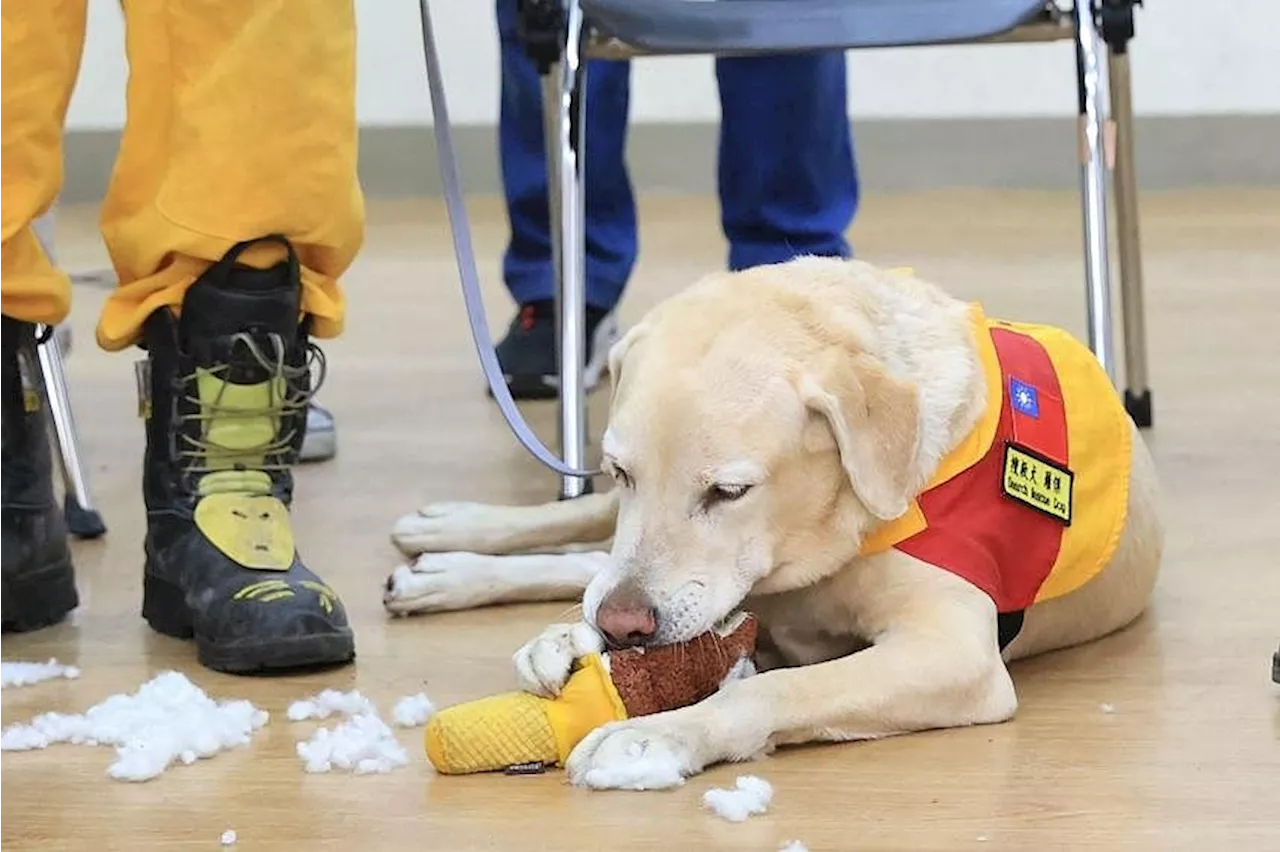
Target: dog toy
{"points": [[519, 732]]}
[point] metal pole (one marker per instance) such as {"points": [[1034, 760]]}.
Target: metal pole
{"points": [[1137, 393], [1096, 149], [53, 370], [551, 121], [571, 296], [83, 519]]}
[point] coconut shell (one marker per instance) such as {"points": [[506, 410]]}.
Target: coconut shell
{"points": [[668, 677]]}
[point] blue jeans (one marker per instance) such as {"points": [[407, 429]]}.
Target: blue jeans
{"points": [[787, 180]]}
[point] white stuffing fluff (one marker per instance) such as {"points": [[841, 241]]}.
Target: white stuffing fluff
{"points": [[362, 744], [793, 846], [330, 701], [750, 797], [647, 770], [20, 673], [169, 718], [741, 670], [413, 710], [228, 837]]}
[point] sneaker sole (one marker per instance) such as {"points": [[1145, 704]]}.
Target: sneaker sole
{"points": [[165, 609], [320, 443], [318, 446], [40, 598], [548, 386]]}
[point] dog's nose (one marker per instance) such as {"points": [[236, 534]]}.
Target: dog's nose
{"points": [[627, 619]]}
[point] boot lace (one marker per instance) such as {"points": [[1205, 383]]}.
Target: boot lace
{"points": [[276, 454]]}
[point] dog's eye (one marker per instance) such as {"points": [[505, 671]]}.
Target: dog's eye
{"points": [[725, 493]]}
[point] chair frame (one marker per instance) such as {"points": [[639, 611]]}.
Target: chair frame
{"points": [[559, 38], [82, 516]]}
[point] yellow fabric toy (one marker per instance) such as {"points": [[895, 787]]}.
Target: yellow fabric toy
{"points": [[519, 731]]}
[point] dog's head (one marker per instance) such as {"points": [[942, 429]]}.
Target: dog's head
{"points": [[754, 437]]}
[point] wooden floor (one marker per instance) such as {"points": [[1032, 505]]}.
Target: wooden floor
{"points": [[1188, 757]]}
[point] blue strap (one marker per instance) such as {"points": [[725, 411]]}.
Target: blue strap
{"points": [[465, 254]]}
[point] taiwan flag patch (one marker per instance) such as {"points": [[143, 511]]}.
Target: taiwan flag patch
{"points": [[1038, 419], [1025, 398]]}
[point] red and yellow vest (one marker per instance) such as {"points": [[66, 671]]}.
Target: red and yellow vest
{"points": [[1031, 504]]}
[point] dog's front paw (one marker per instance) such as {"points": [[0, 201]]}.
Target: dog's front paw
{"points": [[543, 665], [443, 527], [639, 754], [436, 582]]}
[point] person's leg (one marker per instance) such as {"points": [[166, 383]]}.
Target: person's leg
{"points": [[233, 210], [41, 57], [528, 351], [787, 180], [42, 44]]}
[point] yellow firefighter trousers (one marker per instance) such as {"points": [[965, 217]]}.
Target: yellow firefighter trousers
{"points": [[241, 123]]}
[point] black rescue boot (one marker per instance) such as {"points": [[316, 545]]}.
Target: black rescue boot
{"points": [[39, 582], [226, 406]]}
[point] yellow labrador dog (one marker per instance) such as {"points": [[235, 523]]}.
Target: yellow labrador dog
{"points": [[907, 494]]}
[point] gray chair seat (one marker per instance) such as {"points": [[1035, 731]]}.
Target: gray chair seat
{"points": [[771, 26]]}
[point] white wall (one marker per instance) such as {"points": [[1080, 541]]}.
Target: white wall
{"points": [[1191, 57]]}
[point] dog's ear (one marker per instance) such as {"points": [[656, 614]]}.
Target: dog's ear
{"points": [[618, 353], [875, 421]]}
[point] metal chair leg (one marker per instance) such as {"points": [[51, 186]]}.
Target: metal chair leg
{"points": [[83, 520], [565, 89], [1096, 146], [1137, 393]]}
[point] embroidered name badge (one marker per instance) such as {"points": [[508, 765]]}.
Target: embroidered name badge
{"points": [[1037, 482]]}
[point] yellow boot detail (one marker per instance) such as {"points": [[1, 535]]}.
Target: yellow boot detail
{"points": [[260, 589], [241, 422], [252, 531], [517, 727], [237, 512]]}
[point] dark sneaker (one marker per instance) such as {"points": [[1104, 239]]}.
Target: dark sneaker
{"points": [[226, 385], [529, 355], [39, 581]]}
